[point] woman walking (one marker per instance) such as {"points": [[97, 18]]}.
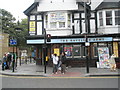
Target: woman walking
{"points": [[55, 63]]}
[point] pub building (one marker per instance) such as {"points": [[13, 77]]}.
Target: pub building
{"points": [[83, 30]]}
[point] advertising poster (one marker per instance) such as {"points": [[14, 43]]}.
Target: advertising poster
{"points": [[54, 17], [68, 51], [32, 27], [57, 51], [103, 53]]}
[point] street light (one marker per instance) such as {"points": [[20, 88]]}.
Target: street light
{"points": [[17, 30], [44, 48], [87, 16]]}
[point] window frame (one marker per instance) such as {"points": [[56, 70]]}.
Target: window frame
{"points": [[109, 18], [113, 17], [117, 17], [101, 18]]}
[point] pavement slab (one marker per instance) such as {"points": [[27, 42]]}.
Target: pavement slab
{"points": [[32, 69]]}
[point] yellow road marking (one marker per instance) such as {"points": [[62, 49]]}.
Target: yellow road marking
{"points": [[55, 77]]}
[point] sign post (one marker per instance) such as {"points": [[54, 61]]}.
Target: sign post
{"points": [[13, 42]]}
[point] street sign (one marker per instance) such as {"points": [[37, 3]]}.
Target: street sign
{"points": [[13, 42]]}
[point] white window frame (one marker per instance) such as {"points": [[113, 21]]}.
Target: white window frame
{"points": [[32, 17], [116, 17], [101, 18], [109, 17], [104, 18]]}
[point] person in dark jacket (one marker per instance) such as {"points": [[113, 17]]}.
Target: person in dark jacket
{"points": [[9, 59], [63, 59]]}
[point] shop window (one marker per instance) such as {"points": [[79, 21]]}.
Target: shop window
{"points": [[76, 52], [79, 51], [108, 17], [100, 18], [117, 17], [68, 51]]}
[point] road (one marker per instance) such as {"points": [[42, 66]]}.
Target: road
{"points": [[59, 82]]}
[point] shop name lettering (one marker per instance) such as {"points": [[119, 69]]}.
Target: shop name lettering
{"points": [[96, 39], [83, 40], [73, 40]]}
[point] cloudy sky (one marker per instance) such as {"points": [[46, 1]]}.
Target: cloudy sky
{"points": [[16, 7]]}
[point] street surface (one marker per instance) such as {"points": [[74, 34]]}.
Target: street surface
{"points": [[59, 82]]}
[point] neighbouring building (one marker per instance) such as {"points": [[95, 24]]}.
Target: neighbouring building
{"points": [[65, 21], [4, 39]]}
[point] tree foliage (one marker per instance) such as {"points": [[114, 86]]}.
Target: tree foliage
{"points": [[7, 22], [21, 36], [8, 25]]}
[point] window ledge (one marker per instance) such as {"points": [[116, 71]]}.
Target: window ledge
{"points": [[58, 29]]}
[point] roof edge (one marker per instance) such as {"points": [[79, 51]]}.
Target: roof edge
{"points": [[29, 9]]}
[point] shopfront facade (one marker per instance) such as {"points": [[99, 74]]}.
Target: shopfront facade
{"points": [[66, 25], [76, 50]]}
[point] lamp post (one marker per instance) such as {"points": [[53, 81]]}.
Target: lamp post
{"points": [[86, 11], [17, 30], [44, 49]]}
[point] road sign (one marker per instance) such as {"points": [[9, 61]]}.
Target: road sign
{"points": [[13, 42]]}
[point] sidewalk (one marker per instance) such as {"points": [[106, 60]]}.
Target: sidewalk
{"points": [[32, 69]]}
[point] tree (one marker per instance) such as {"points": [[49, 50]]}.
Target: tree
{"points": [[7, 22], [8, 25], [21, 36]]}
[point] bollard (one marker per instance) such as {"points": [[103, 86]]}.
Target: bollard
{"points": [[30, 59], [26, 60], [13, 65], [16, 60]]}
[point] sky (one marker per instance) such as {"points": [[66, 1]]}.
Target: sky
{"points": [[16, 7]]}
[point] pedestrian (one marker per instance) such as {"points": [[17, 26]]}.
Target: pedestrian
{"points": [[55, 63], [4, 62], [13, 62], [63, 59], [9, 59], [59, 65], [112, 63]]}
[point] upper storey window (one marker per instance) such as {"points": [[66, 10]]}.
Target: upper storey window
{"points": [[109, 18], [101, 18], [117, 17], [58, 20]]}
